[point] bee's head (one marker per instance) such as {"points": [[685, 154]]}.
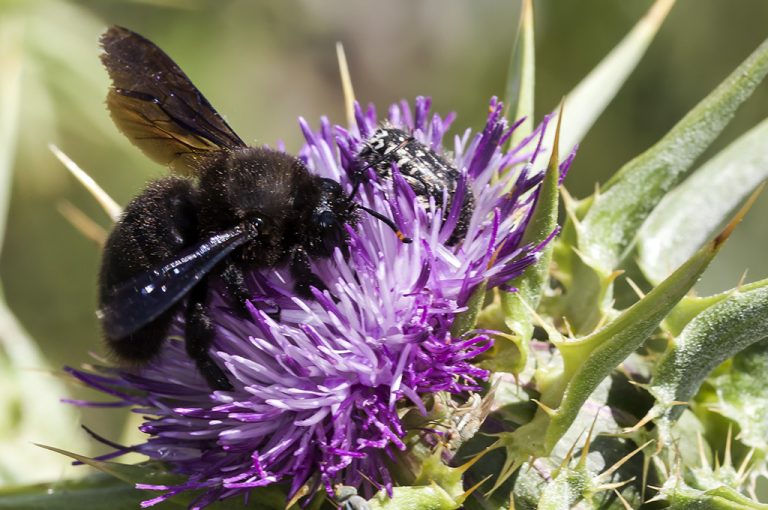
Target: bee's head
{"points": [[328, 218]]}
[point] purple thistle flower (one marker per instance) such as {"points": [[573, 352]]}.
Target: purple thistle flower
{"points": [[320, 391]]}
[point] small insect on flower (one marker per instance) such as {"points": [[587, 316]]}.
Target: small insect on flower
{"points": [[425, 171], [245, 208]]}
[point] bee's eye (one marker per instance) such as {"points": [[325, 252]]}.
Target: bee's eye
{"points": [[330, 186], [326, 220]]}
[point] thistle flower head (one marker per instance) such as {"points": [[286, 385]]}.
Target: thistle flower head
{"points": [[318, 394]]}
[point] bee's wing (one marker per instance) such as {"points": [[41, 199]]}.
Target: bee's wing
{"points": [[134, 304], [157, 107]]}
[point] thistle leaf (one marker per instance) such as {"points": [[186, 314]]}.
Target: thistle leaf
{"points": [[466, 320], [682, 497], [589, 360], [98, 492], [517, 306], [104, 492], [426, 497], [589, 99], [154, 473], [742, 395], [691, 213], [710, 338], [521, 78], [612, 223]]}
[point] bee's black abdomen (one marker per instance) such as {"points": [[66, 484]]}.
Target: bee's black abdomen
{"points": [[155, 226], [143, 345]]}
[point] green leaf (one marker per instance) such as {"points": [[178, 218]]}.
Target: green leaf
{"points": [[146, 473], [742, 395], [693, 211], [589, 99], [104, 492], [519, 92], [682, 497], [517, 306], [627, 199], [710, 338], [589, 360], [428, 497], [99, 492], [466, 320]]}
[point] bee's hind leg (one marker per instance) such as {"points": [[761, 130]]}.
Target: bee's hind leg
{"points": [[199, 337]]}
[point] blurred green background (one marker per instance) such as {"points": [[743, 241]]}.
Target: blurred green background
{"points": [[263, 64]]}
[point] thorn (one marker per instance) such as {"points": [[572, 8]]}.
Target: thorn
{"points": [[570, 207], [472, 489], [588, 441], [742, 279], [727, 460], [568, 456], [640, 294], [643, 421], [612, 277], [370, 480], [105, 201], [608, 472], [723, 236], [550, 412], [743, 471], [646, 470], [303, 491], [464, 467], [346, 84], [554, 335], [510, 466], [603, 320], [614, 485], [554, 158], [624, 502], [82, 223], [568, 328], [657, 497]]}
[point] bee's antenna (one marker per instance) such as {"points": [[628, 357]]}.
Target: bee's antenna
{"points": [[387, 222], [355, 189]]}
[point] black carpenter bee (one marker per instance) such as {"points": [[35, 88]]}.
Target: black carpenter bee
{"points": [[232, 208], [428, 174]]}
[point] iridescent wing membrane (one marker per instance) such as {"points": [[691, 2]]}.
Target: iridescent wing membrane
{"points": [[157, 107], [142, 299]]}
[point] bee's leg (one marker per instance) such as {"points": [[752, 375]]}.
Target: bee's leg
{"points": [[303, 275], [234, 282], [199, 336]]}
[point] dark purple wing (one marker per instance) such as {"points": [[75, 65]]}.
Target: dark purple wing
{"points": [[137, 302], [157, 107]]}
